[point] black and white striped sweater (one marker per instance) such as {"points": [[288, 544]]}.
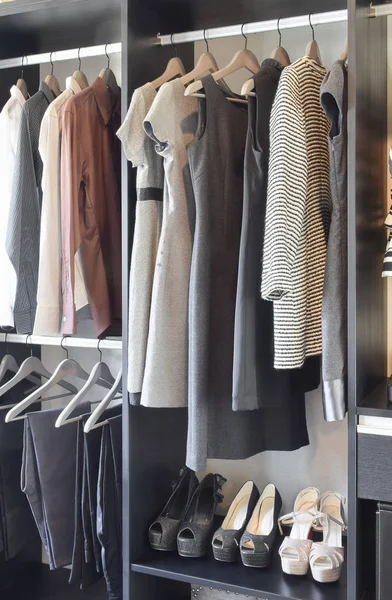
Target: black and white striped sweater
{"points": [[298, 213]]}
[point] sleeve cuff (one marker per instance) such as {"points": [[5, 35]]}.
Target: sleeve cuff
{"points": [[68, 321], [275, 287], [47, 320]]}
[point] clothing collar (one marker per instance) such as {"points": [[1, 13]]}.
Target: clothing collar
{"points": [[45, 89], [272, 64], [72, 84], [17, 94], [108, 103]]}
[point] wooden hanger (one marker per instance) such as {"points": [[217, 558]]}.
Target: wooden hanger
{"points": [[52, 81], [100, 371], [21, 84], [109, 77], [312, 49], [279, 54], [174, 68], [244, 59], [92, 422], [79, 76], [344, 55], [205, 64]]}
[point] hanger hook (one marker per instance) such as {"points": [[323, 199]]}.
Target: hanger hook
{"points": [[206, 41], [173, 44], [311, 25], [51, 62], [6, 342], [21, 74], [64, 348], [244, 36], [107, 55], [27, 343], [79, 59], [99, 350], [279, 32]]}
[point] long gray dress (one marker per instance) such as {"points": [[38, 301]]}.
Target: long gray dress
{"points": [[334, 308], [216, 159]]}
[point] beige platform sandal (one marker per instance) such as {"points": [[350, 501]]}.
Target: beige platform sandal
{"points": [[295, 549], [327, 557]]}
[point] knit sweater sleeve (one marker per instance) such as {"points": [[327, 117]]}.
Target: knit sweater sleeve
{"points": [[287, 183]]}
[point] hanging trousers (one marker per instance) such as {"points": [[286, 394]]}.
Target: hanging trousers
{"points": [[109, 506]]}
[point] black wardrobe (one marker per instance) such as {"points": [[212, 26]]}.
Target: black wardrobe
{"points": [[154, 441]]}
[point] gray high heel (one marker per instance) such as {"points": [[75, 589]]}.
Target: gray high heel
{"points": [[163, 532], [194, 535]]}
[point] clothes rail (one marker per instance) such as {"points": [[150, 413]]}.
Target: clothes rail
{"points": [[65, 342], [335, 16], [38, 59], [383, 10]]}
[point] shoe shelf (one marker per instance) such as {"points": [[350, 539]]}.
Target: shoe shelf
{"points": [[268, 584], [376, 403]]}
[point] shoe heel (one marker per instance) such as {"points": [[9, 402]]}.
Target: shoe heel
{"points": [[225, 554], [255, 561], [189, 548], [294, 567]]}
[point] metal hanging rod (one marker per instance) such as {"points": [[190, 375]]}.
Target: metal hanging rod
{"points": [[382, 10], [66, 342], [39, 59], [335, 16]]}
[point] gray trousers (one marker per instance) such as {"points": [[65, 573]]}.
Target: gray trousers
{"points": [[48, 480]]}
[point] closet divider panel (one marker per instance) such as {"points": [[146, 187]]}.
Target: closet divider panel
{"points": [[154, 440], [367, 178]]}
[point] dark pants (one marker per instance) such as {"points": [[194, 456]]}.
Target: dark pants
{"points": [[48, 480], [17, 527], [87, 562], [109, 506]]}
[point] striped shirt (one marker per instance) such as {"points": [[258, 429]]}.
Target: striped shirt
{"points": [[298, 213], [23, 234]]}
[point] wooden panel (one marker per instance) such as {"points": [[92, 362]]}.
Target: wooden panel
{"points": [[154, 440], [58, 25], [10, 76], [367, 154], [183, 15]]}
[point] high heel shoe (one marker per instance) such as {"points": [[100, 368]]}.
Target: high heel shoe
{"points": [[195, 532], [327, 557], [259, 536], [295, 549], [163, 532], [226, 539]]}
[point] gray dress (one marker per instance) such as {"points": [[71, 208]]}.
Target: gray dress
{"points": [[216, 159], [334, 308]]}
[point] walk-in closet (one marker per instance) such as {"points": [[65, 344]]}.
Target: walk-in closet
{"points": [[193, 359]]}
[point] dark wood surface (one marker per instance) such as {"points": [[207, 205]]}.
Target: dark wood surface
{"points": [[33, 27], [367, 194], [37, 582], [187, 15], [9, 77], [269, 583], [376, 403]]}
